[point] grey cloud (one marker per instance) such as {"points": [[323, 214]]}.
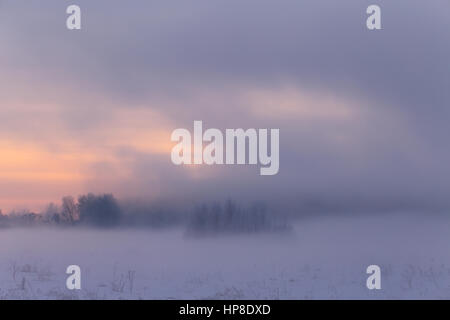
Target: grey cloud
{"points": [[168, 55]]}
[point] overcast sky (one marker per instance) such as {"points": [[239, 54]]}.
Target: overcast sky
{"points": [[363, 115]]}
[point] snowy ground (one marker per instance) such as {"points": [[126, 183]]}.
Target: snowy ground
{"points": [[322, 258]]}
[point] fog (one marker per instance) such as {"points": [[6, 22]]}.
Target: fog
{"points": [[362, 115], [363, 118], [321, 258]]}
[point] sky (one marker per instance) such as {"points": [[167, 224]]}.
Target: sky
{"points": [[363, 115]]}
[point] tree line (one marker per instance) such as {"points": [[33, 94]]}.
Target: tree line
{"points": [[105, 211]]}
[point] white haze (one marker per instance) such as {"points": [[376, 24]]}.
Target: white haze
{"points": [[322, 258]]}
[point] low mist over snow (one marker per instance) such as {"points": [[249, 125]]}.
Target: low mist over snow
{"points": [[321, 258]]}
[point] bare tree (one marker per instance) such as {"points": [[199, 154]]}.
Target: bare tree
{"points": [[3, 219], [51, 212], [69, 210]]}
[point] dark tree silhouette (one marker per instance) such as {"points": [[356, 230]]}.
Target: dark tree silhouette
{"points": [[99, 211]]}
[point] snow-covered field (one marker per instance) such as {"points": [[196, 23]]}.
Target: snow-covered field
{"points": [[322, 258]]}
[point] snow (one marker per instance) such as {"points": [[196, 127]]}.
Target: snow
{"points": [[323, 258]]}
